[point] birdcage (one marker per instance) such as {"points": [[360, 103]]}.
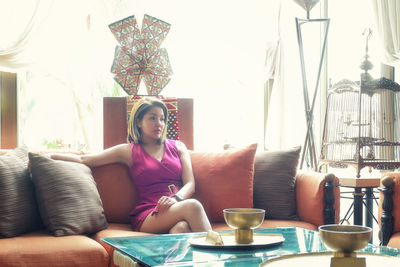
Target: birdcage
{"points": [[362, 125]]}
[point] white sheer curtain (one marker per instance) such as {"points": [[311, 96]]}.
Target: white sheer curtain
{"points": [[387, 18], [286, 125], [62, 52], [274, 68], [216, 49], [19, 24]]}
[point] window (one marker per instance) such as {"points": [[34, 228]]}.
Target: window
{"points": [[217, 55], [349, 20], [347, 50]]}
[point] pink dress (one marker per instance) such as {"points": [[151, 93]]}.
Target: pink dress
{"points": [[152, 178]]}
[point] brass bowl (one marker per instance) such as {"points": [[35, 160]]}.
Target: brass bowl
{"points": [[244, 220], [345, 239]]}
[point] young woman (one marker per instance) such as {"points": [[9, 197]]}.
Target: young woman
{"points": [[161, 171]]}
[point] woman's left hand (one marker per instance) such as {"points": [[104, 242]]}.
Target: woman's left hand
{"points": [[164, 203]]}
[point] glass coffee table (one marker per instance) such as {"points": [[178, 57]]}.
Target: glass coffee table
{"points": [[176, 250]]}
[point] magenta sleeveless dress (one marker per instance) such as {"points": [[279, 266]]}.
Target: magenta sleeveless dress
{"points": [[152, 178]]}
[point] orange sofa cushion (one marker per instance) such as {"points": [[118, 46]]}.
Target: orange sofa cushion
{"points": [[115, 230], [394, 241], [224, 179], [41, 249]]}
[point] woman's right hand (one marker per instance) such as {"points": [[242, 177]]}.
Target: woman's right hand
{"points": [[164, 203]]}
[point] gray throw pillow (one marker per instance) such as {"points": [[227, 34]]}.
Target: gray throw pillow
{"points": [[19, 212], [67, 196], [275, 183]]}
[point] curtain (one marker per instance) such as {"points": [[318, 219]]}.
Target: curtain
{"points": [[62, 51], [216, 53], [387, 19], [18, 27], [274, 95], [286, 125], [274, 71]]}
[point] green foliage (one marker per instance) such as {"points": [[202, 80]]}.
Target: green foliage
{"points": [[117, 90], [55, 144]]}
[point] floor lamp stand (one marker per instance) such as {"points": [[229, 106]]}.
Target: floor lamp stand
{"points": [[309, 143]]}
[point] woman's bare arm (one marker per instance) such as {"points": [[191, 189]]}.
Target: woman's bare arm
{"points": [[188, 188], [116, 154]]}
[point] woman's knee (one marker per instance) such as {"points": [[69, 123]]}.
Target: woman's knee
{"points": [[194, 206]]}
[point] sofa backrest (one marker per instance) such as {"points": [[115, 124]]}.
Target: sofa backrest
{"points": [[116, 190], [219, 176]]}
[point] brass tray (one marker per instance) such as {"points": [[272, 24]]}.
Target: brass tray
{"points": [[260, 241], [318, 259]]}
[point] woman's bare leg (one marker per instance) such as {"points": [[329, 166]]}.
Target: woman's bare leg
{"points": [[189, 210], [180, 227]]}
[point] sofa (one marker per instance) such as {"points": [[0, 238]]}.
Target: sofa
{"points": [[239, 177], [389, 209]]}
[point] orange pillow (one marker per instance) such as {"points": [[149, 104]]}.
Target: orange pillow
{"points": [[224, 180]]}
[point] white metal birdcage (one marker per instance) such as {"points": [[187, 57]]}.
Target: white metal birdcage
{"points": [[362, 125]]}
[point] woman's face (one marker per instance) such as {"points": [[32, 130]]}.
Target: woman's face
{"points": [[152, 125]]}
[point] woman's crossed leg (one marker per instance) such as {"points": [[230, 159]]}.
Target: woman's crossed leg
{"points": [[184, 216]]}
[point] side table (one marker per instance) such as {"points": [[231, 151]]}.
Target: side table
{"points": [[363, 195]]}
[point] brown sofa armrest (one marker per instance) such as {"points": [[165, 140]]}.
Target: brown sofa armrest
{"points": [[314, 202]]}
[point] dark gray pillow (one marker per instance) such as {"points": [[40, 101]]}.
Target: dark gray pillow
{"points": [[275, 182], [67, 196], [19, 212]]}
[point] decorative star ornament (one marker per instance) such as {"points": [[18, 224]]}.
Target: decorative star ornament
{"points": [[139, 55]]}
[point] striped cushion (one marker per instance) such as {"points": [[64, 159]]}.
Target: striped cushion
{"points": [[19, 212], [275, 183], [67, 196]]}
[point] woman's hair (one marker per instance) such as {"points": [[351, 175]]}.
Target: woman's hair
{"points": [[139, 109]]}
